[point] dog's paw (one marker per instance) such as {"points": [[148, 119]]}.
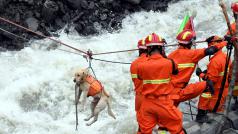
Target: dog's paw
{"points": [[88, 124], [87, 119]]}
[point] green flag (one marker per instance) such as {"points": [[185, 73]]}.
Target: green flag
{"points": [[185, 21]]}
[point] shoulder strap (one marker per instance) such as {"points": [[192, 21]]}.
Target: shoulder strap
{"points": [[175, 70]]}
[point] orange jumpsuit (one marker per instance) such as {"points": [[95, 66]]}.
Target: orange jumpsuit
{"points": [[157, 106], [138, 84], [186, 60], [215, 72]]}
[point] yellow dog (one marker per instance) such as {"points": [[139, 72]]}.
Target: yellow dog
{"points": [[87, 85]]}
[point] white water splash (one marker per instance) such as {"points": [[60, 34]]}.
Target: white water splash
{"points": [[36, 87]]}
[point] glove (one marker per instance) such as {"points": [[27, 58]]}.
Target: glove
{"points": [[228, 38], [209, 87], [209, 39], [198, 71], [211, 50]]}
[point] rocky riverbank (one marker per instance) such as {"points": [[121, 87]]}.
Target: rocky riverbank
{"points": [[87, 17]]}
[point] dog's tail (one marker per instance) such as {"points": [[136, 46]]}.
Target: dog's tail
{"points": [[109, 108]]}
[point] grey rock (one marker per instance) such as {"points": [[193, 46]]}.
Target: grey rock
{"points": [[79, 28], [217, 124], [84, 4], [3, 49], [76, 4], [89, 30], [154, 5], [49, 11], [3, 3], [97, 26], [234, 118], [32, 23], [103, 17], [134, 1], [77, 17], [230, 131], [91, 5]]}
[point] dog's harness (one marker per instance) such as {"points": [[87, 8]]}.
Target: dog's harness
{"points": [[95, 86]]}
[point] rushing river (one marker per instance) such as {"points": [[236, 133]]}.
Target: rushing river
{"points": [[36, 83]]}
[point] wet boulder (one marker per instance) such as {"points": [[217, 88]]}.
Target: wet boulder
{"points": [[134, 1], [75, 4], [3, 3], [32, 23], [49, 11]]}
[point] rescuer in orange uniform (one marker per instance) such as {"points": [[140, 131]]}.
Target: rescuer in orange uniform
{"points": [[186, 58], [138, 84], [215, 72], [157, 106]]}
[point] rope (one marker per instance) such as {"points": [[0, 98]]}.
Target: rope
{"points": [[115, 52], [190, 109], [69, 52], [14, 35], [224, 79], [189, 113], [41, 35], [23, 38], [187, 103], [90, 67], [170, 45], [111, 61]]}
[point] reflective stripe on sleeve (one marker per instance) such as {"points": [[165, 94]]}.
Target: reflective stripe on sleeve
{"points": [[161, 81], [236, 88], [162, 132], [222, 73], [133, 76], [186, 65], [206, 95]]}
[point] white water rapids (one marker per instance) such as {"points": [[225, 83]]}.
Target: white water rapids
{"points": [[36, 84]]}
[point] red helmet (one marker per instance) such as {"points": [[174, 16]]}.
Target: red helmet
{"points": [[234, 7], [154, 40], [185, 37], [141, 44]]}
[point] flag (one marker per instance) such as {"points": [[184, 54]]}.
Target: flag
{"points": [[187, 23]]}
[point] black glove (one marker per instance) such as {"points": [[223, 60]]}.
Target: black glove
{"points": [[74, 80], [198, 71], [227, 38], [209, 87], [209, 39], [211, 50]]}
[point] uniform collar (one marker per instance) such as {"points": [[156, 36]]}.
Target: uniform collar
{"points": [[155, 56], [143, 55], [182, 47]]}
